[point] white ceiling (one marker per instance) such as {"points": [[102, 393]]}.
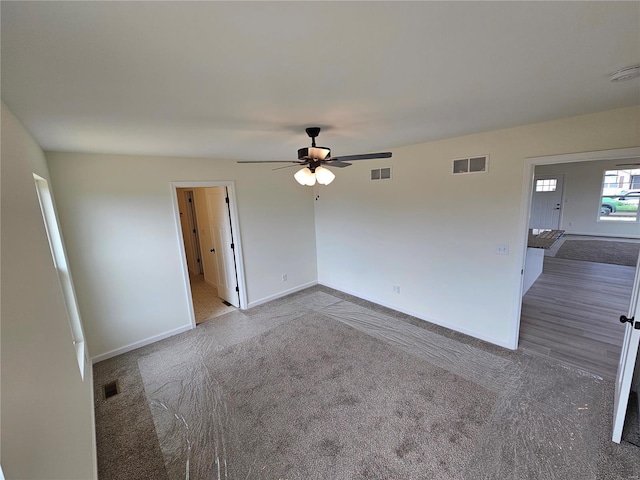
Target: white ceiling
{"points": [[242, 80]]}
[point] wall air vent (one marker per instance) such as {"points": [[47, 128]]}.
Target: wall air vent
{"points": [[479, 164], [381, 173]]}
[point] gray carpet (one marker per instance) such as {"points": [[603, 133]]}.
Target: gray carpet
{"points": [[631, 431], [600, 251], [313, 399], [321, 385]]}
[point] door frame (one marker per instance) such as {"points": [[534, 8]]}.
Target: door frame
{"points": [[525, 212], [235, 225]]}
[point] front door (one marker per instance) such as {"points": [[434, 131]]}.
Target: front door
{"points": [[546, 204], [627, 359], [220, 226]]}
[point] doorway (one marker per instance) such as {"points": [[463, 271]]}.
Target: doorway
{"points": [[583, 269], [569, 317], [211, 251]]}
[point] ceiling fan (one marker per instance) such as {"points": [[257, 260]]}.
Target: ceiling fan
{"points": [[314, 159]]}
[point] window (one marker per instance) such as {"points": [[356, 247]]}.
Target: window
{"points": [[619, 197], [59, 258], [546, 185]]}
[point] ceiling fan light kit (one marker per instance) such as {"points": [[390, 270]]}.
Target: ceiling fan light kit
{"points": [[304, 176], [313, 158], [324, 176]]}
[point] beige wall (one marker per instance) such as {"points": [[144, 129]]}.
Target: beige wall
{"points": [[435, 234], [47, 409], [431, 233], [122, 237], [582, 194]]}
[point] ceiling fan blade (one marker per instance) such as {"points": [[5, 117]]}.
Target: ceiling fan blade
{"points": [[336, 163], [364, 156], [289, 166], [269, 161]]}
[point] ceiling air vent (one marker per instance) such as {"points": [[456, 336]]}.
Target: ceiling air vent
{"points": [[381, 173], [479, 164]]}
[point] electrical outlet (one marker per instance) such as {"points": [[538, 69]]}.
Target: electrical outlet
{"points": [[502, 249], [284, 277], [396, 289]]}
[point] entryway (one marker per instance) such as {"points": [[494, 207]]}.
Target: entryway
{"points": [[211, 248], [571, 312]]}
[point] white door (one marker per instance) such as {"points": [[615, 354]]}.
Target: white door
{"points": [[546, 203], [627, 360], [220, 227], [190, 231], [207, 247]]}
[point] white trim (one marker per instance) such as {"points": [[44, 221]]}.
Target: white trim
{"points": [[182, 254], [282, 294], [525, 211], [617, 154], [60, 261], [140, 343], [94, 447], [447, 325], [590, 234]]}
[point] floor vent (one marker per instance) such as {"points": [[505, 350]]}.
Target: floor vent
{"points": [[111, 389], [226, 303]]}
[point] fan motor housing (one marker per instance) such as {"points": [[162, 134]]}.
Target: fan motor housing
{"points": [[314, 153]]}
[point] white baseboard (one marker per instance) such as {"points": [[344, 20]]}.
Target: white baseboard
{"points": [[591, 234], [281, 294], [455, 328], [141, 343], [170, 333]]}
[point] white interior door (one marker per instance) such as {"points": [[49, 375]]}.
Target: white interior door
{"points": [[546, 203], [190, 231], [627, 362], [207, 247], [220, 228]]}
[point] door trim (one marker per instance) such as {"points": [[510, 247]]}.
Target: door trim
{"points": [[231, 189], [525, 210]]}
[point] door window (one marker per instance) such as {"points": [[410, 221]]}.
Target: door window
{"points": [[546, 185]]}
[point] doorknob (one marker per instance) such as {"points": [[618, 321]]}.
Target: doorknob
{"points": [[213, 250], [624, 319]]}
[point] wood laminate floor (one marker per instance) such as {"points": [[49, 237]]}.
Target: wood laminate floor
{"points": [[571, 314]]}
